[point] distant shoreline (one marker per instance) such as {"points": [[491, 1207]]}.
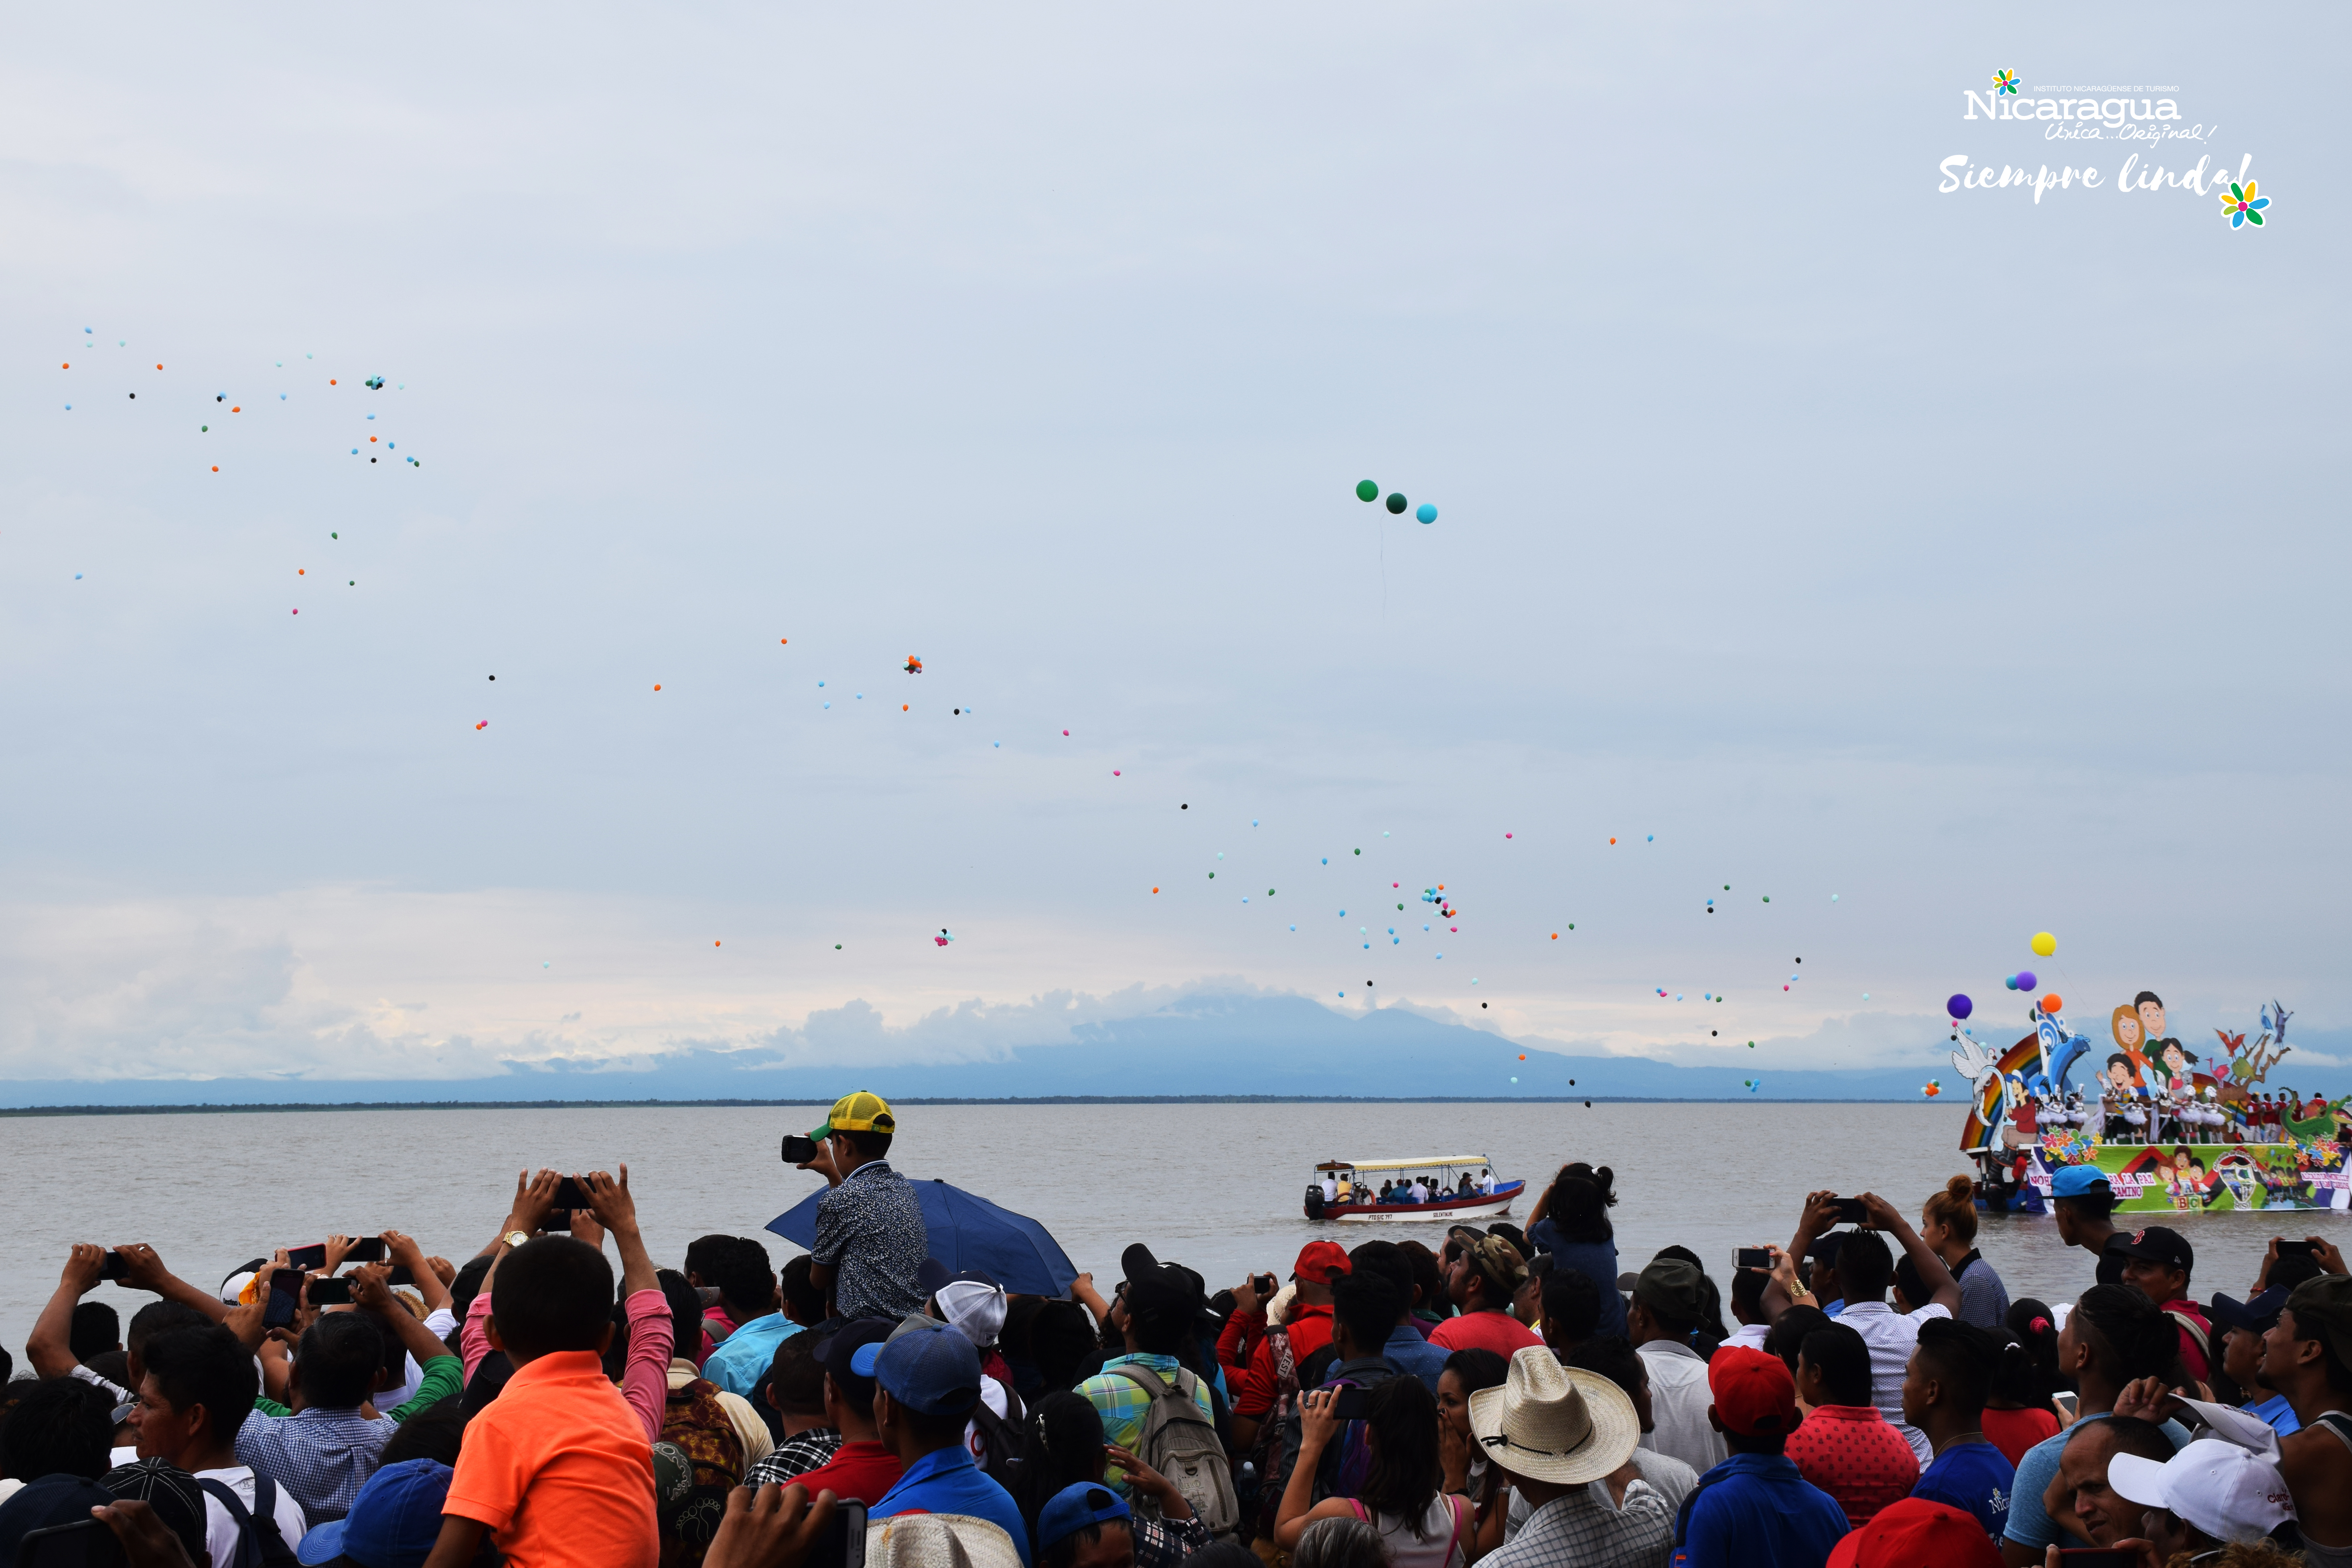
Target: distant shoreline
{"points": [[259, 1108]]}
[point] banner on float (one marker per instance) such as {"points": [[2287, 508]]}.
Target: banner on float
{"points": [[2199, 1177]]}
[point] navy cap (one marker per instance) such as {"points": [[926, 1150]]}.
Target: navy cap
{"points": [[1073, 1509], [2075, 1181], [394, 1522], [862, 1337], [2155, 1245], [2254, 1315], [937, 1373]]}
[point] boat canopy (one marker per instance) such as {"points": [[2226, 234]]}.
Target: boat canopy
{"points": [[1404, 1164]]}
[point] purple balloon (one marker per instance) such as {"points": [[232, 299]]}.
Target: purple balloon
{"points": [[1960, 1006], [2025, 980]]}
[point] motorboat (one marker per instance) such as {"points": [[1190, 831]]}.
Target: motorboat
{"points": [[1356, 1185]]}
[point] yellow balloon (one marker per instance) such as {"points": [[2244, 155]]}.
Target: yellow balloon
{"points": [[2044, 944]]}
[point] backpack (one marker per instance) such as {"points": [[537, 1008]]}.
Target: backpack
{"points": [[1182, 1444], [259, 1544], [697, 1425], [999, 1437], [1265, 1453], [1344, 1468]]}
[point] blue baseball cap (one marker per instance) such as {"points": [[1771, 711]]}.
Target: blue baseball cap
{"points": [[936, 1373], [394, 1522], [2075, 1181], [1073, 1509]]}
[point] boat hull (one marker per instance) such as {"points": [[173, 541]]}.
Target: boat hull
{"points": [[1483, 1206]]}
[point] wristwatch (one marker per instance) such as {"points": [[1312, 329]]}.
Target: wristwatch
{"points": [[514, 1239]]}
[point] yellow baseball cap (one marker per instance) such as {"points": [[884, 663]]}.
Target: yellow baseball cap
{"points": [[860, 1112]]}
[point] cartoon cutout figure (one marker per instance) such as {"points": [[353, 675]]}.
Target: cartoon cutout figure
{"points": [[2131, 1035]]}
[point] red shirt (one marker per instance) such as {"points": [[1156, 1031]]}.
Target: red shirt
{"points": [[2014, 1431], [1852, 1453], [860, 1470], [1497, 1332], [1310, 1331]]}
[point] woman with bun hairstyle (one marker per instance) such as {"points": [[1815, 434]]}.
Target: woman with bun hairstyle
{"points": [[1948, 1226], [1571, 1223]]}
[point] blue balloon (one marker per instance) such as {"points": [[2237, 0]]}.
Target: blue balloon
{"points": [[2010, 981], [1426, 513], [1958, 1007]]}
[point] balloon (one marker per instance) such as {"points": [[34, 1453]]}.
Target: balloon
{"points": [[2010, 981], [1367, 490], [1958, 1005], [2052, 1003], [1426, 513], [2044, 944], [2025, 980], [1397, 504]]}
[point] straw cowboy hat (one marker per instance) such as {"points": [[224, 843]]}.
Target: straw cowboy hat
{"points": [[1552, 1423]]}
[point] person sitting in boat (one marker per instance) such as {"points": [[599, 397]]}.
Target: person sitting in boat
{"points": [[1388, 1190], [1330, 1190], [1486, 1181]]}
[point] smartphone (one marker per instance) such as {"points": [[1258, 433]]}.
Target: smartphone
{"points": [[1350, 1403], [569, 1196], [1752, 1257], [325, 1292], [366, 1250], [113, 1267], [2285, 1249], [1850, 1210], [307, 1256], [401, 1275], [843, 1544], [84, 1543], [2097, 1557], [799, 1148], [284, 1297]]}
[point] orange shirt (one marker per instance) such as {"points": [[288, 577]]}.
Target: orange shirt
{"points": [[558, 1468]]}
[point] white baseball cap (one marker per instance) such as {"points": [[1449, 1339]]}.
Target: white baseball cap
{"points": [[2223, 1490]]}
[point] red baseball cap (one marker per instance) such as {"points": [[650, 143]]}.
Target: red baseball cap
{"points": [[1321, 1261], [1915, 1531], [1753, 1392]]}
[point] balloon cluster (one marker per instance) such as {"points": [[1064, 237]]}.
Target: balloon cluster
{"points": [[1367, 490], [1934, 1087]]}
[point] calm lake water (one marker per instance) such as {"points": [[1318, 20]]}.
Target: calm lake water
{"points": [[1214, 1186]]}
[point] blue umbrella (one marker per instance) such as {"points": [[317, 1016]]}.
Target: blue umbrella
{"points": [[966, 1232]]}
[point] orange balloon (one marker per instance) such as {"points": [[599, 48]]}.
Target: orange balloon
{"points": [[1155, 889], [781, 641], [159, 367], [217, 467], [370, 438], [1555, 936], [1613, 841], [331, 381], [66, 365], [657, 686], [299, 573], [714, 944], [1523, 1056], [2052, 1003], [233, 408], [902, 708]]}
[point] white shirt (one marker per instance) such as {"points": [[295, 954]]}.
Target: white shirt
{"points": [[1331, 1191], [1748, 1336], [1890, 1337], [220, 1528], [1679, 1401]]}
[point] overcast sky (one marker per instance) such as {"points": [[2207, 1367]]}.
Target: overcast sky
{"points": [[1973, 559]]}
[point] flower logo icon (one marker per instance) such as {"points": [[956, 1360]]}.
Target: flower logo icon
{"points": [[2245, 206], [2004, 82]]}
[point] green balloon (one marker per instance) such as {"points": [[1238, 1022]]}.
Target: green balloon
{"points": [[1396, 501], [1367, 490]]}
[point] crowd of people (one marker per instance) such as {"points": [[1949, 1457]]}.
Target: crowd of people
{"points": [[1867, 1396]]}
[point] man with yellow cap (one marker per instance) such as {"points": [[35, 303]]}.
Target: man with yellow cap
{"points": [[870, 1240]]}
